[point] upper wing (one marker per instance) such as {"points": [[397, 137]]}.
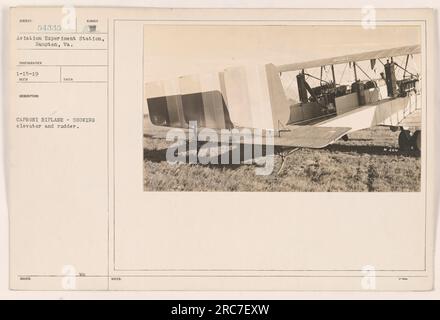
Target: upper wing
{"points": [[393, 52]]}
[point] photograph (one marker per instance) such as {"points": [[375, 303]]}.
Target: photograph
{"points": [[285, 108]]}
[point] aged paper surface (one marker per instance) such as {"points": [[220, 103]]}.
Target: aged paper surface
{"points": [[97, 204]]}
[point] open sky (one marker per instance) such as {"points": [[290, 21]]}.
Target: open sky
{"points": [[171, 51]]}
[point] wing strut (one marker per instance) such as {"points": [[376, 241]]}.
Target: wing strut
{"points": [[333, 75]]}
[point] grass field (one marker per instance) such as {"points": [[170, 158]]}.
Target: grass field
{"points": [[368, 161]]}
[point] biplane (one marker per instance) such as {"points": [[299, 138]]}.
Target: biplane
{"points": [[255, 97]]}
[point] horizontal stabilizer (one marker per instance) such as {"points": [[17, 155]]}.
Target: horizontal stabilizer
{"points": [[310, 136], [294, 136]]}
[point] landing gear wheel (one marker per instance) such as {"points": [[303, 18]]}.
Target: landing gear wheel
{"points": [[417, 141], [405, 140]]}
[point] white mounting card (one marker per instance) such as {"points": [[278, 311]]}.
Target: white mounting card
{"points": [[221, 149]]}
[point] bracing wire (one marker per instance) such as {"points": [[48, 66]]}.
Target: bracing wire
{"points": [[343, 72]]}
